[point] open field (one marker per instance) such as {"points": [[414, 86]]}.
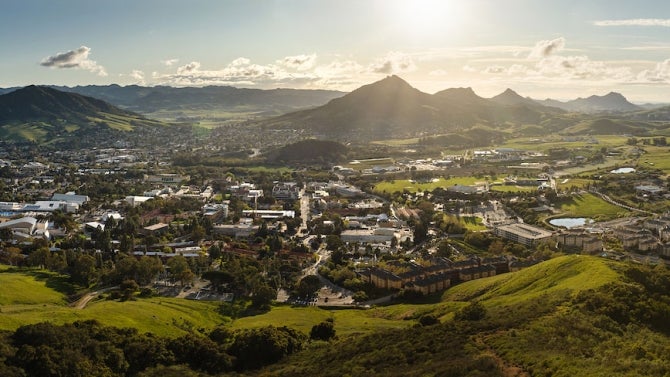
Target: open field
{"points": [[404, 184], [591, 206], [545, 144]]}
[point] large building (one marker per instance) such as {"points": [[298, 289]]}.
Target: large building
{"points": [[286, 191], [522, 233]]}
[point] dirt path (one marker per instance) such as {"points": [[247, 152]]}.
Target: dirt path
{"points": [[84, 300], [508, 369]]}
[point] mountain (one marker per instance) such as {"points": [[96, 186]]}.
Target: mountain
{"points": [[510, 97], [209, 100], [609, 103], [39, 113], [391, 108]]}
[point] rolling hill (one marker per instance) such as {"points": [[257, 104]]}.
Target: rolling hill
{"points": [[40, 114], [571, 315], [391, 108], [208, 100], [609, 103]]}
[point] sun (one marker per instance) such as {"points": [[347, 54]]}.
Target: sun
{"points": [[425, 17]]}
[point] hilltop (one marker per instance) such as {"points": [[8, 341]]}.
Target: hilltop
{"points": [[40, 114], [391, 108]]}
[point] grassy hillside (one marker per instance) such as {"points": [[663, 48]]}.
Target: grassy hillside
{"points": [[570, 316], [28, 297]]}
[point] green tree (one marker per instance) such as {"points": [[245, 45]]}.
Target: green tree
{"points": [[180, 270], [83, 271], [308, 285], [323, 331]]}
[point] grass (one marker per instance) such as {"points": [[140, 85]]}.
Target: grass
{"points": [[591, 206], [173, 317], [15, 286], [513, 188], [567, 183], [403, 184], [347, 321]]}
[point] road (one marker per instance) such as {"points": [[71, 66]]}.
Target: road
{"points": [[84, 300]]}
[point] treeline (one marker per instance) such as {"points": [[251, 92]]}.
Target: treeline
{"points": [[88, 349]]}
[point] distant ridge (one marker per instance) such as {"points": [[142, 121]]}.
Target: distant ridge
{"points": [[40, 114], [611, 102], [391, 108]]}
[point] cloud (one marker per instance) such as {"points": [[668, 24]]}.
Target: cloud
{"points": [[438, 72], [546, 48], [494, 69], [635, 22], [299, 62], [169, 62], [188, 68], [660, 74], [77, 59], [393, 62], [469, 68]]}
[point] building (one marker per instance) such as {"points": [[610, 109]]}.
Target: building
{"points": [[579, 240], [27, 227], [522, 233], [268, 214], [71, 197], [286, 191], [167, 179]]}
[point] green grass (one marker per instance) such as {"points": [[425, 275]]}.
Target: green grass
{"points": [[22, 288], [567, 183], [347, 321], [513, 188], [591, 206], [572, 273], [173, 317], [404, 184]]}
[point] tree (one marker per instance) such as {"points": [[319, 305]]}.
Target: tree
{"points": [[83, 271], [147, 269], [360, 296], [308, 285], [255, 348], [128, 288], [180, 270], [263, 295], [323, 331]]}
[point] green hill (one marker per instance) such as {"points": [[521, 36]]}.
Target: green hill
{"points": [[40, 114], [572, 315]]}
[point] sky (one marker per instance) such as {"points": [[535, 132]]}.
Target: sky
{"points": [[561, 49]]}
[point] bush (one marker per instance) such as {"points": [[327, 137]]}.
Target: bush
{"points": [[323, 331], [428, 320], [473, 312]]}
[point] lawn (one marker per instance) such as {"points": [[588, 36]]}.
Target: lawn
{"points": [[567, 183], [403, 184], [590, 206]]}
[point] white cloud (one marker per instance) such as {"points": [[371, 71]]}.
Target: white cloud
{"points": [[438, 72], [494, 69], [546, 48], [169, 62], [299, 62], [660, 74], [469, 68], [188, 68], [240, 71], [77, 59], [635, 22], [394, 62]]}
